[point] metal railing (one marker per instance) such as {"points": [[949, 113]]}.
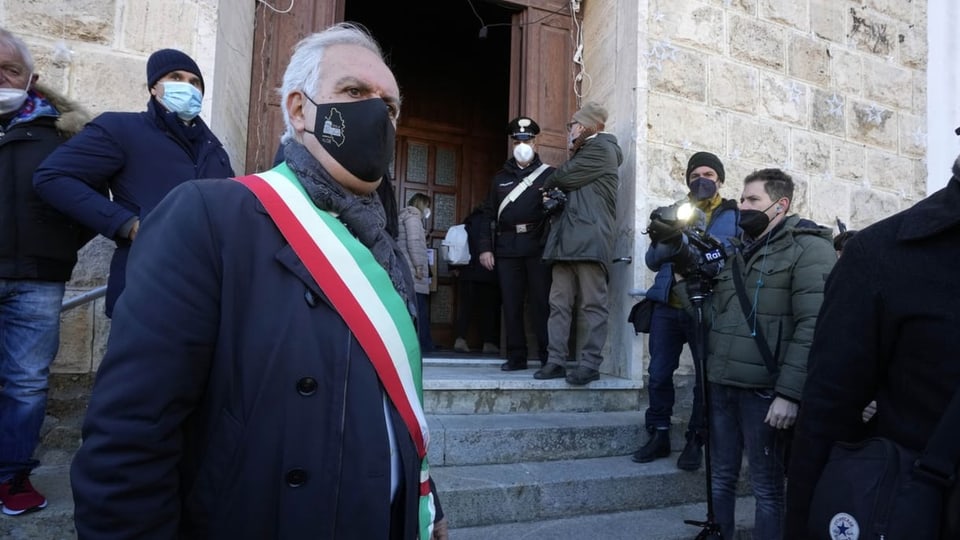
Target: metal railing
{"points": [[84, 298]]}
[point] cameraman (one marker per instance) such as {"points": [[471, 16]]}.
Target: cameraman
{"points": [[671, 326], [758, 343], [580, 244]]}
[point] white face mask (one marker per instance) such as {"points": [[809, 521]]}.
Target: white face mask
{"points": [[11, 99], [523, 153], [426, 214]]}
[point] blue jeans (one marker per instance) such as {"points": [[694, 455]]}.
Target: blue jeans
{"points": [[670, 328], [29, 339], [736, 424]]}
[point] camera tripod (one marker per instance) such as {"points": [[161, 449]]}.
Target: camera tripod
{"points": [[698, 288]]}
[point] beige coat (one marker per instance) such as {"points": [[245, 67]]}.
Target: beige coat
{"points": [[413, 244]]}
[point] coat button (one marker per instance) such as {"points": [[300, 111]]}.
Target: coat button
{"points": [[311, 298], [307, 386], [296, 477]]}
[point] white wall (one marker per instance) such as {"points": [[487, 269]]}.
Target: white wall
{"points": [[943, 90]]}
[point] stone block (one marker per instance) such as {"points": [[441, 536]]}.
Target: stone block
{"points": [[913, 48], [757, 42], [872, 33], [891, 172], [887, 83], [110, 81], [897, 9], [680, 123], [788, 12], [90, 21], [919, 85], [763, 143], [101, 333], [868, 206], [827, 20], [683, 74], [688, 22], [666, 168], [811, 152], [913, 135], [748, 7], [93, 264], [829, 200], [76, 336], [783, 99], [846, 70], [150, 26], [808, 59], [828, 112], [733, 86], [849, 160], [873, 124], [801, 203], [53, 74]]}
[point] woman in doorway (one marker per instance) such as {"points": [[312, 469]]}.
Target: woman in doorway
{"points": [[413, 243]]}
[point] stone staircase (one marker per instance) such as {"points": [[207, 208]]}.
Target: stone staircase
{"points": [[513, 457]]}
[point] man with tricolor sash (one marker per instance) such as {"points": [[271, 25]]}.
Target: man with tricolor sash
{"points": [[263, 375]]}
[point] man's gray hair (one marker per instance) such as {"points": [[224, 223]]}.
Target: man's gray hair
{"points": [[13, 41], [303, 72]]}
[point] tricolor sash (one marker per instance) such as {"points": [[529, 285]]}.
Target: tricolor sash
{"points": [[362, 293]]}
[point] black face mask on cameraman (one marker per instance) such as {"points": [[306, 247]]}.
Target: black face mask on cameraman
{"points": [[753, 222], [702, 188], [358, 134]]}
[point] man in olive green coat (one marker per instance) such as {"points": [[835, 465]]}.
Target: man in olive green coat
{"points": [[758, 344], [580, 244]]}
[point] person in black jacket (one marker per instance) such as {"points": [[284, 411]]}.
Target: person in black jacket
{"points": [[887, 331], [512, 242], [478, 292], [140, 157], [38, 250]]}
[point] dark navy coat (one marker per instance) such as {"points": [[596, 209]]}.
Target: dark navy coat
{"points": [[139, 159], [233, 401]]}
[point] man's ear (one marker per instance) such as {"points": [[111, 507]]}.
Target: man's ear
{"points": [[295, 110]]}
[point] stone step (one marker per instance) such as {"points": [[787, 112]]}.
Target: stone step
{"points": [[650, 524], [480, 495], [481, 439], [478, 386]]}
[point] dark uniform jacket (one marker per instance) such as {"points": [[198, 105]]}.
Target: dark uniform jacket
{"points": [[36, 241], [504, 240], [889, 330], [233, 400], [584, 230], [140, 158]]}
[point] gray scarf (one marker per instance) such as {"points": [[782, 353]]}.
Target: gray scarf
{"points": [[363, 215]]}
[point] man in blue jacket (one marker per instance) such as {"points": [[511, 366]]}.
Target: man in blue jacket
{"points": [[671, 326], [139, 157], [262, 378], [38, 250]]}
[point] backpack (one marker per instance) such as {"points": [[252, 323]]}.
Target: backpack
{"points": [[456, 250]]}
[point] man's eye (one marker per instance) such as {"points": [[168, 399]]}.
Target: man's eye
{"points": [[354, 92]]}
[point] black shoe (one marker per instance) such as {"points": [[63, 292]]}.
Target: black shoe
{"points": [[550, 371], [581, 375], [657, 446], [692, 455], [513, 366]]}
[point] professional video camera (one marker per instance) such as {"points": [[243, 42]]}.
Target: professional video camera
{"points": [[553, 201], [681, 226]]}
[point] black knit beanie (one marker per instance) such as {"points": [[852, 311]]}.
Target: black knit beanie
{"points": [[704, 158], [166, 60]]}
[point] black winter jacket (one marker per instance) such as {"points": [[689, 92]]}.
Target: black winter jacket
{"points": [[36, 241]]}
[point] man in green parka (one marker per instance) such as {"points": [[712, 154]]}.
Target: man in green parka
{"points": [[580, 244], [761, 315]]}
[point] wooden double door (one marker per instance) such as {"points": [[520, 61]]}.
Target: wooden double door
{"points": [[465, 68]]}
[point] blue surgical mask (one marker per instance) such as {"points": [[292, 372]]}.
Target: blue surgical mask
{"points": [[182, 98]]}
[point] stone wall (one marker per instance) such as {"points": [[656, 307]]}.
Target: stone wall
{"points": [[95, 52]]}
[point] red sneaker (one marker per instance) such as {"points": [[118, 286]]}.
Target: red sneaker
{"points": [[18, 496]]}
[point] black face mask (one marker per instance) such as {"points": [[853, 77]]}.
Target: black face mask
{"points": [[358, 134], [702, 188], [753, 222]]}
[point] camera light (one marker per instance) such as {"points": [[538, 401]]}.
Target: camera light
{"points": [[685, 212]]}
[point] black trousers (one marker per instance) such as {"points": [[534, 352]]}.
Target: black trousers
{"points": [[524, 280], [479, 301]]}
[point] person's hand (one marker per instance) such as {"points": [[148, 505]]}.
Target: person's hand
{"points": [[440, 530], [782, 413], [869, 411], [486, 260], [134, 230]]}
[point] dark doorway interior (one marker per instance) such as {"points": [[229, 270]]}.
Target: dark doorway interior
{"points": [[456, 92]]}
